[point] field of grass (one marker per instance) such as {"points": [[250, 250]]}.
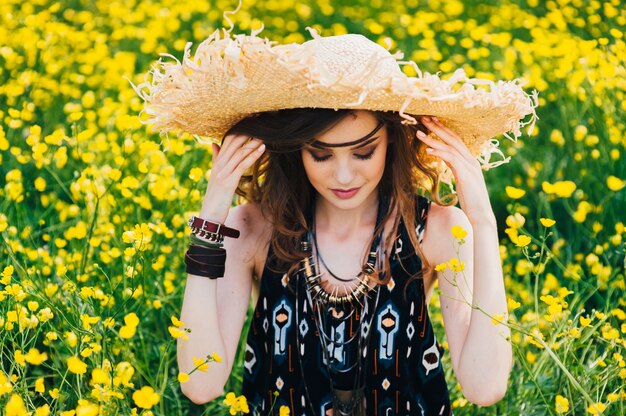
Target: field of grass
{"points": [[93, 206]]}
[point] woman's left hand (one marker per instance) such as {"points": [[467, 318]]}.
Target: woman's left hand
{"points": [[470, 183]]}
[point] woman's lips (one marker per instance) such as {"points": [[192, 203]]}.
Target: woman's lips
{"points": [[345, 193]]}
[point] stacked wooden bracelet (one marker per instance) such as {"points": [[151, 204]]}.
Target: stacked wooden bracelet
{"points": [[206, 256]]}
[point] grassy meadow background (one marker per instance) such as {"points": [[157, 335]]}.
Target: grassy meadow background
{"points": [[93, 206]]}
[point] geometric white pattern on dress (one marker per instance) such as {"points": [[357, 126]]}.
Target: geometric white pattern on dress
{"points": [[400, 243], [430, 359], [385, 384], [279, 383], [410, 330]]}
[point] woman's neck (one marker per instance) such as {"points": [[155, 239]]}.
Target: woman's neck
{"points": [[343, 224]]}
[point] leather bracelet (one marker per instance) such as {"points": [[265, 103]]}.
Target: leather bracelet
{"points": [[207, 226], [205, 261]]}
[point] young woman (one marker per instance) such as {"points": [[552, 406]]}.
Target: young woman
{"points": [[337, 240]]}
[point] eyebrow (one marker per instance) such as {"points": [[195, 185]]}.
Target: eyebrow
{"points": [[358, 143]]}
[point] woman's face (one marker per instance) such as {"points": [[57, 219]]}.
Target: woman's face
{"points": [[346, 163]]}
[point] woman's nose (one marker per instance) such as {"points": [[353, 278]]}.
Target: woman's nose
{"points": [[344, 172]]}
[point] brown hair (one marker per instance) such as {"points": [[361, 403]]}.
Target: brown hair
{"points": [[279, 185]]}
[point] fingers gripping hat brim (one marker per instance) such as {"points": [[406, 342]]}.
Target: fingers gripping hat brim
{"points": [[233, 76]]}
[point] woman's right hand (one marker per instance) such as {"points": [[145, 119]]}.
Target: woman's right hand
{"points": [[237, 154]]}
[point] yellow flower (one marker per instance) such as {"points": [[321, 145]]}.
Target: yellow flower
{"points": [[39, 385], [35, 357], [284, 411], [40, 184], [596, 408], [76, 115], [497, 318], [123, 373], [236, 404], [87, 408], [100, 376], [42, 410], [146, 397], [177, 333], [512, 304], [6, 275], [441, 267], [127, 331], [76, 365], [19, 357], [140, 236], [200, 363], [230, 399], [515, 221], [523, 241], [71, 339], [458, 232], [608, 332], [547, 222], [15, 406], [563, 189], [3, 219], [87, 320], [183, 377], [456, 265], [619, 314], [612, 397], [176, 322], [5, 384], [195, 174], [131, 319], [574, 333], [216, 357], [585, 321], [561, 404], [614, 183], [51, 289], [514, 193]]}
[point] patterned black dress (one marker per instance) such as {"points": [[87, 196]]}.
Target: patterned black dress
{"points": [[284, 360]]}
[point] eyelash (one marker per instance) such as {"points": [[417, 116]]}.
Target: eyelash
{"points": [[366, 156]]}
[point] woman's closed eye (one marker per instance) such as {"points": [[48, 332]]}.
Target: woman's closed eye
{"points": [[365, 156], [359, 155]]}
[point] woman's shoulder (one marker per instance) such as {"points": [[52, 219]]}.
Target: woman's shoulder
{"points": [[256, 231], [438, 236], [249, 219], [443, 215]]}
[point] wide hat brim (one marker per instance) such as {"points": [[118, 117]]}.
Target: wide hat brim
{"points": [[233, 76]]}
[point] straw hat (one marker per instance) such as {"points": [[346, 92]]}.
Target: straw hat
{"points": [[232, 76]]}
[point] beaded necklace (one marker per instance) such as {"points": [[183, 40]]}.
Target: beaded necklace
{"points": [[330, 311]]}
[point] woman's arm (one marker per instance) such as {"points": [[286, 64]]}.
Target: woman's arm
{"points": [[215, 309], [480, 350]]}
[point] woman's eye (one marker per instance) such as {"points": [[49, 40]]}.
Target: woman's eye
{"points": [[319, 158], [365, 156]]}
